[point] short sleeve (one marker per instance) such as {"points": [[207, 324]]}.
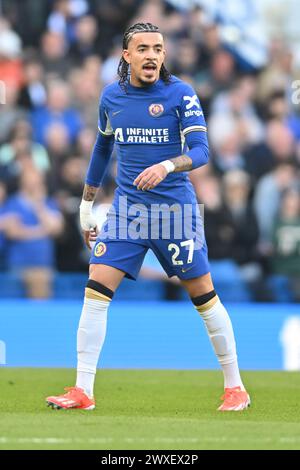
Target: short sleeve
{"points": [[191, 114], [104, 124]]}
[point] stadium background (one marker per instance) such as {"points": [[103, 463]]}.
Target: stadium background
{"points": [[243, 59]]}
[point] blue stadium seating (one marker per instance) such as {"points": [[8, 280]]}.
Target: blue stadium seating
{"points": [[228, 282], [11, 286], [226, 276]]}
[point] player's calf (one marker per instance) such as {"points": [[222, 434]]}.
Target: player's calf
{"points": [[220, 332]]}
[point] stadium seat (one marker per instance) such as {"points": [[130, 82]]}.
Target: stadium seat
{"points": [[69, 285], [11, 286], [280, 288], [228, 282], [142, 289]]}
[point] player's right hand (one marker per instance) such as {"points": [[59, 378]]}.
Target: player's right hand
{"points": [[90, 237], [88, 224]]}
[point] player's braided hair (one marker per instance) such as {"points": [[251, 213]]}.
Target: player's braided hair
{"points": [[124, 66]]}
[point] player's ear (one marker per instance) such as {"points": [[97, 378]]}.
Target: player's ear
{"points": [[126, 56]]}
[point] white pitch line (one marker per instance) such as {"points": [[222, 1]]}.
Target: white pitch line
{"points": [[193, 440]]}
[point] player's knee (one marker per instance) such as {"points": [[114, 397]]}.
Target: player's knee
{"points": [[199, 286], [205, 301], [97, 291]]}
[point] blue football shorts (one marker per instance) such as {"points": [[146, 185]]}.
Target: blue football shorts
{"points": [[181, 253]]}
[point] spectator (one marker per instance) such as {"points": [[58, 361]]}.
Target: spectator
{"points": [[285, 259], [220, 232], [31, 234], [71, 255], [110, 65], [84, 44], [53, 55], [245, 250], [277, 74], [59, 148], [10, 112], [33, 92], [187, 58], [11, 69], [209, 39], [267, 199], [236, 197], [226, 144], [60, 19], [58, 144], [85, 141], [20, 141], [218, 76], [113, 17], [64, 16], [279, 147], [218, 223], [2, 226], [12, 172], [19, 12], [85, 84], [72, 173], [58, 110], [238, 104]]}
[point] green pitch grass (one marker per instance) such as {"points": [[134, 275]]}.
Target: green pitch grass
{"points": [[138, 409]]}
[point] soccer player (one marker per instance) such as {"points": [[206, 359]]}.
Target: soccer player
{"points": [[156, 122]]}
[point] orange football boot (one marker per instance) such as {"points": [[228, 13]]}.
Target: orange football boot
{"points": [[235, 399], [74, 398]]}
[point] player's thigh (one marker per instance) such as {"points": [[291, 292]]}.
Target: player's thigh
{"points": [[198, 286], [109, 276], [186, 260], [111, 260]]}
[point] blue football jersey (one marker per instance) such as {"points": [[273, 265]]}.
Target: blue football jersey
{"points": [[149, 125]]}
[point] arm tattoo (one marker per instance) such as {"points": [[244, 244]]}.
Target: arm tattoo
{"points": [[182, 163], [89, 192]]}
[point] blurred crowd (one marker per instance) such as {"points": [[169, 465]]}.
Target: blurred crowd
{"points": [[56, 56]]}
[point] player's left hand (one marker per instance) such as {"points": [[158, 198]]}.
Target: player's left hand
{"points": [[150, 177]]}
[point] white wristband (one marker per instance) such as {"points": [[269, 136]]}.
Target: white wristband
{"points": [[169, 166], [86, 206]]}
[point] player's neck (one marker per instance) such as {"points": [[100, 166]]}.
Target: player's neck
{"points": [[134, 82]]}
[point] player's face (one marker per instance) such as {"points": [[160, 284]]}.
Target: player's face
{"points": [[145, 54]]}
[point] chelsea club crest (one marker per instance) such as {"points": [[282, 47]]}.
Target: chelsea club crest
{"points": [[99, 249], [156, 109]]}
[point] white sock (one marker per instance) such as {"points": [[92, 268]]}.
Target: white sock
{"points": [[86, 381], [90, 339], [232, 376], [220, 332]]}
